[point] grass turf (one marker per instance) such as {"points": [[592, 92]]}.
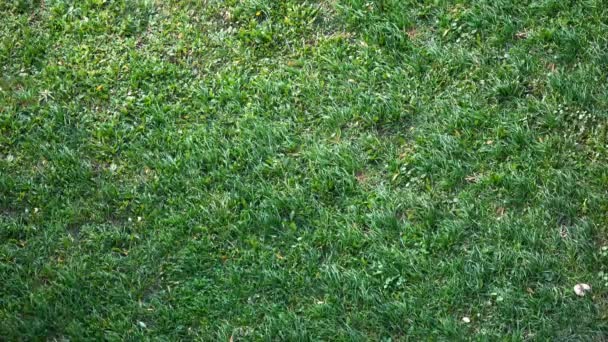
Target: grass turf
{"points": [[298, 170]]}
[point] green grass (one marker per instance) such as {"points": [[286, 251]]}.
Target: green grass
{"points": [[299, 170]]}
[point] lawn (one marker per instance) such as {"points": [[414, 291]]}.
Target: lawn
{"points": [[303, 170]]}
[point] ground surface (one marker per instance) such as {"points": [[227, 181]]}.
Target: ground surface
{"points": [[337, 170]]}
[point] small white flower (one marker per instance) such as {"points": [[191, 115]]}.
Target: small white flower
{"points": [[466, 319], [582, 289]]}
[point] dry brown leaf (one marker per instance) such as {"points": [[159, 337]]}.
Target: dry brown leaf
{"points": [[563, 232], [412, 33], [521, 35], [500, 211], [361, 177], [474, 178]]}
